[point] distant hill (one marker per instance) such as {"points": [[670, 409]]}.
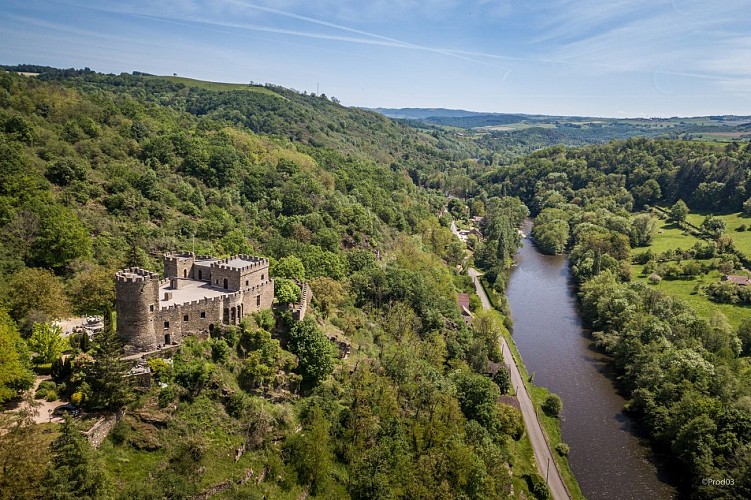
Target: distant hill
{"points": [[452, 117], [423, 113]]}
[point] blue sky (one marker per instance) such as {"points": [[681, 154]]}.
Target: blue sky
{"points": [[587, 57]]}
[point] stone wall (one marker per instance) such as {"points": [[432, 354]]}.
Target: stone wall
{"points": [[299, 309], [98, 433]]}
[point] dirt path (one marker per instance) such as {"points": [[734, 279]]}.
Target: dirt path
{"points": [[43, 408], [543, 455]]}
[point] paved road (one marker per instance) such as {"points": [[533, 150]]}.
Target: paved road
{"points": [[543, 455]]}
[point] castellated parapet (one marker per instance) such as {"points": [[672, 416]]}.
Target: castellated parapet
{"points": [[198, 294]]}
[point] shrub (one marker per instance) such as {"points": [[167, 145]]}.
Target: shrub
{"points": [[51, 395], [552, 405], [161, 369], [77, 398], [44, 389], [166, 396], [562, 449]]}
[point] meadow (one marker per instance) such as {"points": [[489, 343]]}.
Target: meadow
{"points": [[670, 237]]}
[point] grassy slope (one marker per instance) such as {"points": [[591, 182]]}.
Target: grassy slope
{"points": [[190, 82]]}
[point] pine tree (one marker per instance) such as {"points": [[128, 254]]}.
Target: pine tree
{"points": [[23, 456], [75, 472], [106, 376]]}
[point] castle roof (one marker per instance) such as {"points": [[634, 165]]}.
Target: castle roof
{"points": [[189, 291]]}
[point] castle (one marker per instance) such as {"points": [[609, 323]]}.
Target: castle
{"points": [[198, 294]]}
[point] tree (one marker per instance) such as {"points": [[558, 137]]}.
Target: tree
{"points": [[487, 326], [478, 396], [311, 452], [76, 471], [15, 372], [714, 226], [106, 376], [92, 290], [747, 208], [47, 342], [552, 405], [643, 228], [503, 379], [744, 334], [23, 454], [62, 238], [36, 290], [290, 267], [314, 351], [286, 291], [327, 293], [678, 212]]}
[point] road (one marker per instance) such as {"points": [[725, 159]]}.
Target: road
{"points": [[543, 455]]}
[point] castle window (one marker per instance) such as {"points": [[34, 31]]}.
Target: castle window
{"points": [[226, 283], [200, 274], [258, 301], [185, 273], [247, 282], [151, 308], [203, 314], [262, 277], [166, 324], [185, 318]]}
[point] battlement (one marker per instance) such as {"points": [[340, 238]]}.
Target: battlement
{"points": [[135, 274], [217, 298], [241, 263], [306, 294]]}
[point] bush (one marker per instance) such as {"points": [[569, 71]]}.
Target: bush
{"points": [[562, 449], [552, 406], [51, 396], [44, 389], [654, 278], [537, 486], [161, 370], [77, 398], [166, 396]]}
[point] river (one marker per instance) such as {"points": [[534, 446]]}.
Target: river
{"points": [[608, 458]]}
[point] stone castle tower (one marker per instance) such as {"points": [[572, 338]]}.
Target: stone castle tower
{"points": [[199, 293]]}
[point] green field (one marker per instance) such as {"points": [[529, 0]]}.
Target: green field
{"points": [[216, 85], [669, 236], [741, 239], [684, 289]]}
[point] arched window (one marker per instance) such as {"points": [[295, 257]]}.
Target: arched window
{"points": [[185, 273], [226, 283]]}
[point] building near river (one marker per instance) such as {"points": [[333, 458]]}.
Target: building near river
{"points": [[198, 294]]}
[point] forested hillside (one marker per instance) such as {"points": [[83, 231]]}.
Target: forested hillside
{"points": [[99, 172], [686, 374]]}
